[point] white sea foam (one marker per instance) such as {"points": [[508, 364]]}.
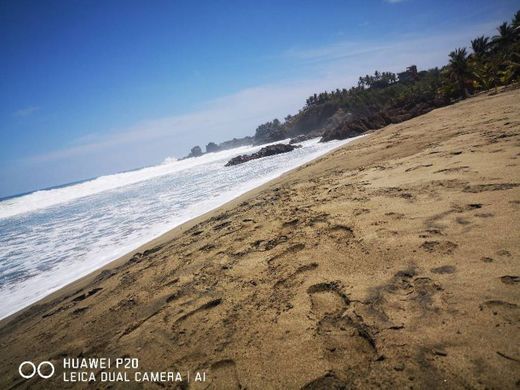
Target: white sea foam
{"points": [[46, 198], [50, 238]]}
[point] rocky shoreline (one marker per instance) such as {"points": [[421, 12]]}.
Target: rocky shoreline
{"points": [[333, 117], [266, 151]]}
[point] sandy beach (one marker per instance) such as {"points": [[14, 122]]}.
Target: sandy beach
{"points": [[391, 262]]}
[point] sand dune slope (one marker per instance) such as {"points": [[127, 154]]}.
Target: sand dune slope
{"points": [[393, 262]]}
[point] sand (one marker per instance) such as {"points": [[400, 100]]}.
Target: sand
{"points": [[392, 261]]}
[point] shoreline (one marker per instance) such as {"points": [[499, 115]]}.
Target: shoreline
{"points": [[382, 263], [160, 239]]}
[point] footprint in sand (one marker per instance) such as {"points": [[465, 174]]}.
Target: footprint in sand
{"points": [[504, 253], [445, 269], [442, 247], [357, 212], [464, 168], [418, 167], [341, 233], [327, 298], [223, 375], [340, 333], [328, 381], [86, 295], [509, 312], [405, 299], [490, 187]]}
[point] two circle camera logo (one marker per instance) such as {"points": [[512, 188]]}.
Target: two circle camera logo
{"points": [[45, 369]]}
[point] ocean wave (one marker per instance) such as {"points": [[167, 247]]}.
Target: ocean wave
{"points": [[43, 251], [46, 198]]}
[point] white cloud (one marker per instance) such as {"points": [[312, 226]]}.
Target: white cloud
{"points": [[334, 51], [329, 67], [23, 112], [233, 115], [414, 45]]}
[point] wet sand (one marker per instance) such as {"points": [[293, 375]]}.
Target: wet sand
{"points": [[392, 261]]}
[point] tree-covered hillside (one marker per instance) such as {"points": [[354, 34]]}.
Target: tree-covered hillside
{"points": [[385, 97]]}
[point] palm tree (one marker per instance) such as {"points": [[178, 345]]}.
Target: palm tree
{"points": [[511, 71], [486, 74], [516, 21], [459, 70], [480, 46], [506, 36]]}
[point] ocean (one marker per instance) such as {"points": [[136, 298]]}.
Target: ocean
{"points": [[50, 238]]}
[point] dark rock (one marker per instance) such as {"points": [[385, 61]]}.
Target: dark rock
{"points": [[510, 279], [212, 147], [270, 150], [354, 125], [445, 269], [339, 117], [347, 130], [439, 352], [301, 138], [270, 132], [196, 151], [235, 143], [314, 118]]}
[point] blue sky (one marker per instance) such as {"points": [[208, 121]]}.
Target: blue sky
{"points": [[95, 87]]}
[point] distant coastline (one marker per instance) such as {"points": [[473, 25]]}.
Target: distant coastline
{"points": [[383, 98], [387, 98]]}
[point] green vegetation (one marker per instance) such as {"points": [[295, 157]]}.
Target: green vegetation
{"points": [[385, 97], [494, 62]]}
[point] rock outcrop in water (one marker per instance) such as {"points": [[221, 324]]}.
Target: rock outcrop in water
{"points": [[270, 132], [270, 150], [235, 143], [302, 138], [196, 151], [212, 147]]}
